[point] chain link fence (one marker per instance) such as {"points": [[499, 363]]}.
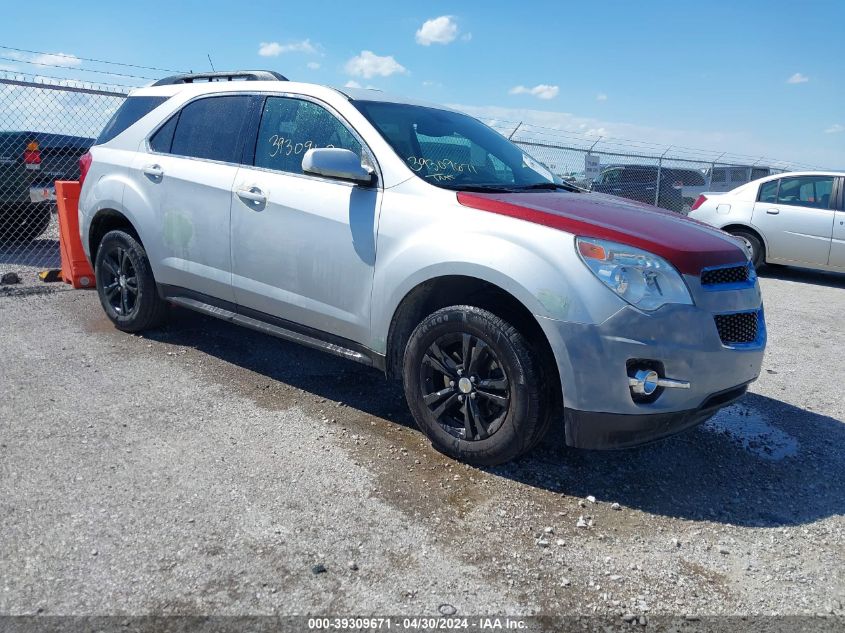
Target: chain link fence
{"points": [[665, 177], [45, 127], [47, 124]]}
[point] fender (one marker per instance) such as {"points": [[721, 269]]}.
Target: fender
{"points": [[534, 264]]}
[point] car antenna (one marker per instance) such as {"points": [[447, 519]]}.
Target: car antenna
{"points": [[213, 69]]}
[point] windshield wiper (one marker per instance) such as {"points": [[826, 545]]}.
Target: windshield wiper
{"points": [[551, 186], [481, 188]]}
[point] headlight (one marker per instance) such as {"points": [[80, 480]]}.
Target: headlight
{"points": [[641, 278]]}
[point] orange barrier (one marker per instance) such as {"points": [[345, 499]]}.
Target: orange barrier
{"points": [[75, 268]]}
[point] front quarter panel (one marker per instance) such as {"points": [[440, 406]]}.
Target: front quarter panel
{"points": [[426, 236]]}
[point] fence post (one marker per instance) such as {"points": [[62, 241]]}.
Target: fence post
{"points": [[712, 169], [659, 170]]}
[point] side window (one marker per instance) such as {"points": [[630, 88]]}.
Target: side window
{"points": [[212, 128], [609, 177], [719, 174], [759, 172], [769, 191], [290, 127], [162, 140], [739, 174], [806, 191]]}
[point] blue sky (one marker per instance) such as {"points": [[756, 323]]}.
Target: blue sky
{"points": [[754, 78]]}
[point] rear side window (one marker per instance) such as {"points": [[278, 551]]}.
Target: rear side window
{"points": [[739, 175], [130, 111], [759, 173], [769, 191], [689, 177], [212, 128], [638, 176], [162, 140]]}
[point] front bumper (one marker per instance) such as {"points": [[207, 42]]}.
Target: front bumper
{"points": [[594, 362], [604, 431]]}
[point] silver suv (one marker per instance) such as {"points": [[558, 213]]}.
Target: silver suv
{"points": [[415, 239]]}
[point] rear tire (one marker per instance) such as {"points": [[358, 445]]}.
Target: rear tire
{"points": [[22, 223], [758, 250], [125, 283], [475, 386]]}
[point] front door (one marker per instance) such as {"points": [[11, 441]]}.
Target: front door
{"points": [[303, 246], [795, 216]]}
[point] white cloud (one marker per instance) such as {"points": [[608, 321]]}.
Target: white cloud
{"points": [[601, 97], [798, 78], [541, 91], [440, 30], [313, 65], [836, 128], [65, 60], [274, 49], [351, 84], [8, 68], [568, 129], [369, 65]]}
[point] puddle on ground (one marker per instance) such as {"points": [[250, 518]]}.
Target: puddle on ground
{"points": [[751, 429]]}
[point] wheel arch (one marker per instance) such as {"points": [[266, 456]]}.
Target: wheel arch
{"points": [[733, 226], [106, 220], [446, 290]]}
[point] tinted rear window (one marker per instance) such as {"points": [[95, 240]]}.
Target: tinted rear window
{"points": [[128, 113], [212, 128], [162, 140], [689, 177]]}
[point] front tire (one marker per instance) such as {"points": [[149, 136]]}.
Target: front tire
{"points": [[474, 386], [758, 250], [126, 285]]}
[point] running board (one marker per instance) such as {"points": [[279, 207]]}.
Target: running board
{"points": [[274, 330]]}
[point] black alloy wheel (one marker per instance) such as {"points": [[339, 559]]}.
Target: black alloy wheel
{"points": [[465, 386], [125, 283], [119, 281], [476, 386]]}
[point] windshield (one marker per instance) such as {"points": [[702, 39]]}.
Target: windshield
{"points": [[452, 150]]}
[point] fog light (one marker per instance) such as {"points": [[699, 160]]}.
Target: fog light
{"points": [[644, 382]]}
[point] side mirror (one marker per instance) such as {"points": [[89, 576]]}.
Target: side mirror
{"points": [[334, 162]]}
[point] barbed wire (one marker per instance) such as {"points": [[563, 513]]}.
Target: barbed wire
{"points": [[63, 82], [90, 59], [85, 70], [609, 142]]}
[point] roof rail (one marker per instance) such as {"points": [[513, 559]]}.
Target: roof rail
{"points": [[243, 75]]}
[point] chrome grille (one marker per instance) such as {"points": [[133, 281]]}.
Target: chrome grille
{"points": [[740, 327]]}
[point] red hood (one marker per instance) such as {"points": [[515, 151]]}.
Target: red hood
{"points": [[689, 245]]}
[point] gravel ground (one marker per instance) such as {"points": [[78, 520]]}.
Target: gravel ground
{"points": [[202, 468]]}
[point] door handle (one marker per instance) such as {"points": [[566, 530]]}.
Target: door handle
{"points": [[253, 195], [153, 171], [772, 211]]}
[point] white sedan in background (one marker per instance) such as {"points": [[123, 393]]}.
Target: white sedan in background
{"points": [[795, 218]]}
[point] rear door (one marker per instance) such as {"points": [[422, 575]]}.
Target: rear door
{"points": [[837, 245], [795, 215], [186, 178]]}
